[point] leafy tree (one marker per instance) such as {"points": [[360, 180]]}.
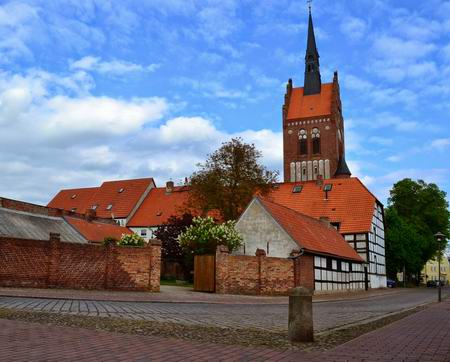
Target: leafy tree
{"points": [[204, 235], [168, 234], [402, 246], [416, 212], [229, 178]]}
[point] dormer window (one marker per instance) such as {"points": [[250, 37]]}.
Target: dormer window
{"points": [[121, 190], [73, 196], [94, 207], [109, 207]]}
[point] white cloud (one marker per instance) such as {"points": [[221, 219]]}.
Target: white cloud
{"points": [[354, 28], [95, 64], [440, 144], [100, 115]]}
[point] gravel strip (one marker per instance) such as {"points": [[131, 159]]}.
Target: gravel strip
{"points": [[229, 336]]}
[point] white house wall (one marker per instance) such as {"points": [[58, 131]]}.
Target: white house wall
{"points": [[260, 231]]}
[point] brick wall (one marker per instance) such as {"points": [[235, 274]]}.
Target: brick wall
{"points": [[53, 264], [259, 274]]}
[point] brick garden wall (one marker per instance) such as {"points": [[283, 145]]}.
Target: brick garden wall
{"points": [[53, 264], [261, 275]]}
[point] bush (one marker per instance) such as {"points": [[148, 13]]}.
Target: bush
{"points": [[110, 240], [203, 236], [131, 240]]}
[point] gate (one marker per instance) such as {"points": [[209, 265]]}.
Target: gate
{"points": [[204, 273]]}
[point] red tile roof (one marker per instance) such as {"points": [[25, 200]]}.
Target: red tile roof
{"points": [[95, 231], [310, 234], [349, 202], [108, 193], [159, 206], [315, 105]]}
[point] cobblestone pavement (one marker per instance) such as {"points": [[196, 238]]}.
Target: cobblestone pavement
{"points": [[423, 336], [327, 315]]}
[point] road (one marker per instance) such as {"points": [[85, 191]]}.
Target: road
{"points": [[327, 315]]}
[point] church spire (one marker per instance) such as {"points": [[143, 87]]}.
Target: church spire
{"points": [[312, 69]]}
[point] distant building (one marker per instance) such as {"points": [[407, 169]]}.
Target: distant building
{"points": [[21, 220], [160, 204], [117, 200], [431, 270]]}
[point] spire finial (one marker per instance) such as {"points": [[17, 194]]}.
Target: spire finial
{"points": [[309, 5]]}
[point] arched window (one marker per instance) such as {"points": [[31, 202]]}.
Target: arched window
{"points": [[303, 142], [315, 135]]}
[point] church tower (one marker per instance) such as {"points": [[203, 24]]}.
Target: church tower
{"points": [[313, 126]]}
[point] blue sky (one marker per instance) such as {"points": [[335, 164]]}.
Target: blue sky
{"points": [[99, 90]]}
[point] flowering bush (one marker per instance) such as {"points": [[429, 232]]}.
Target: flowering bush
{"points": [[131, 240], [203, 236]]}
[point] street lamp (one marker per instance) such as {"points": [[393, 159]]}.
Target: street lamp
{"points": [[439, 238]]}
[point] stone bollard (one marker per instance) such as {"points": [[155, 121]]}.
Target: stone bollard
{"points": [[300, 327]]}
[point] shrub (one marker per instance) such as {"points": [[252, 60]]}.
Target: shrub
{"points": [[203, 236], [131, 240], [110, 240]]}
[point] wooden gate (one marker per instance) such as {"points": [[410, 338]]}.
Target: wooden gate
{"points": [[205, 273]]}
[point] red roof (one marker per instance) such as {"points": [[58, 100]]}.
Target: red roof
{"points": [[122, 195], [314, 105], [159, 206], [96, 231], [349, 202], [310, 234]]}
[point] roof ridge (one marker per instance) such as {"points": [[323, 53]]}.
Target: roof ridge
{"points": [[131, 179]]}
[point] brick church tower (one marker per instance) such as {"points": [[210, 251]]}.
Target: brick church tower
{"points": [[313, 126]]}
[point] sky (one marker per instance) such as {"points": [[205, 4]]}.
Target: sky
{"points": [[100, 90]]}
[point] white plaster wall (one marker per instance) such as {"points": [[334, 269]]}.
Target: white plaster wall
{"points": [[258, 228]]}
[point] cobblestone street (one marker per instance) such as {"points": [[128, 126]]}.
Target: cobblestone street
{"points": [[271, 317], [423, 336]]}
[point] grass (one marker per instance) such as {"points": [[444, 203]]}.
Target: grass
{"points": [[173, 282]]}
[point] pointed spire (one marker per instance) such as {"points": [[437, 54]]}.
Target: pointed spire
{"points": [[342, 169], [312, 67]]}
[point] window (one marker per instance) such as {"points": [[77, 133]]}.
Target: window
{"points": [[94, 207], [109, 207], [268, 243], [327, 187], [303, 142], [144, 232], [73, 209], [121, 190], [297, 189], [315, 135], [73, 196]]}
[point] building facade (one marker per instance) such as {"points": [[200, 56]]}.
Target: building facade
{"points": [[313, 124]]}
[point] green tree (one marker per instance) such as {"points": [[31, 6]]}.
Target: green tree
{"points": [[417, 210], [402, 247], [229, 178]]}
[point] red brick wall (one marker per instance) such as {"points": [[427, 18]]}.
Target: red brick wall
{"points": [[259, 275], [52, 264]]}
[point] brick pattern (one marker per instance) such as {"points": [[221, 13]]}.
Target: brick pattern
{"points": [[423, 336], [260, 275], [332, 148], [52, 264]]}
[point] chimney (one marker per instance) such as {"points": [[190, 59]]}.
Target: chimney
{"points": [[169, 187], [325, 220], [91, 214], [319, 181]]}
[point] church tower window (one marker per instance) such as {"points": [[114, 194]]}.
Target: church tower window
{"points": [[315, 135], [303, 142]]}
